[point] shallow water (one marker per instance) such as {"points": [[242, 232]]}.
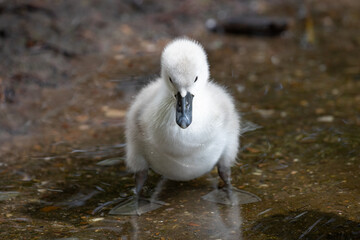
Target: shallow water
{"points": [[62, 145]]}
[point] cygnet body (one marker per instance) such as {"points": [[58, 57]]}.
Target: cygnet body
{"points": [[181, 125]]}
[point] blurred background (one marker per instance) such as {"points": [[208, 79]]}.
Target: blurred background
{"points": [[69, 70]]}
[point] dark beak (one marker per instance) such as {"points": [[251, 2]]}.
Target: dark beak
{"points": [[184, 110]]}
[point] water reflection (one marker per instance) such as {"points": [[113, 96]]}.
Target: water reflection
{"points": [[225, 220], [188, 213], [82, 210]]}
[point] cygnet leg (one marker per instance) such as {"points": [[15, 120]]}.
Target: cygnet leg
{"points": [[225, 194], [140, 179], [225, 175], [137, 205]]}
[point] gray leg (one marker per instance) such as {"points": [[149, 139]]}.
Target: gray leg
{"points": [[225, 175], [137, 205], [140, 179], [223, 195]]}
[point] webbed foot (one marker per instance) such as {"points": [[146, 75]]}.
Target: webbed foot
{"points": [[231, 196], [227, 194], [136, 206]]}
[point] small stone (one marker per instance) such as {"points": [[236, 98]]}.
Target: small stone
{"points": [[319, 111], [119, 57], [335, 91], [240, 88], [84, 127], [96, 219], [304, 103], [275, 60], [327, 119], [266, 113], [113, 113], [257, 172]]}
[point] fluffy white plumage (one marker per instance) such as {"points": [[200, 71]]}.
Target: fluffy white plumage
{"points": [[154, 140]]}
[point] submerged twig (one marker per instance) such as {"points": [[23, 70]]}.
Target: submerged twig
{"points": [[265, 211], [310, 228], [299, 215]]}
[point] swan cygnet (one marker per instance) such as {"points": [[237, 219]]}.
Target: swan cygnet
{"points": [[181, 125]]}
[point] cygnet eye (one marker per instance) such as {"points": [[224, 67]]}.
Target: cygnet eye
{"points": [[196, 79], [170, 79]]}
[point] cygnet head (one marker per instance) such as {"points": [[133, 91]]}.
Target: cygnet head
{"points": [[185, 69]]}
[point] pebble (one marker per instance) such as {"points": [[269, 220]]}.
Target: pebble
{"points": [[96, 219], [257, 172], [326, 119]]}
